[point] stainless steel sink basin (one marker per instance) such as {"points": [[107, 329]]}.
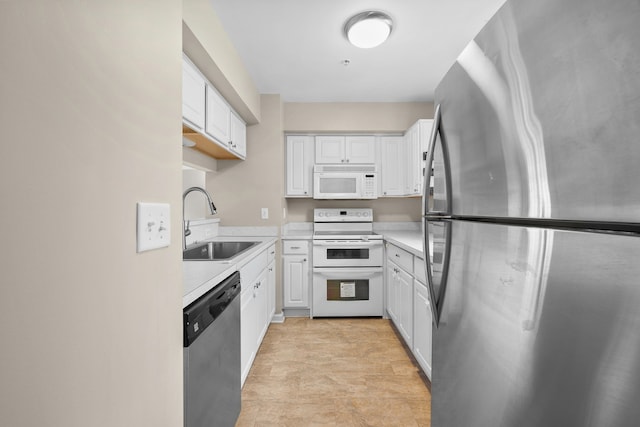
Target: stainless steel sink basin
{"points": [[215, 251]]}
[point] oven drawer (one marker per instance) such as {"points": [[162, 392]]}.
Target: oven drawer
{"points": [[295, 247], [401, 257]]}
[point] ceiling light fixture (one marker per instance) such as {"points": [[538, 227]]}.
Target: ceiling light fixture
{"points": [[368, 29]]}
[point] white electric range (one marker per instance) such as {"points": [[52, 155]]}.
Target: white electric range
{"points": [[347, 264]]}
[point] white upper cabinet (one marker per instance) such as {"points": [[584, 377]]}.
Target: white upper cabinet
{"points": [[417, 140], [360, 149], [238, 136], [330, 149], [193, 95], [392, 166], [345, 149], [218, 123], [208, 120], [299, 174]]}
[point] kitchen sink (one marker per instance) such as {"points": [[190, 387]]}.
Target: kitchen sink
{"points": [[215, 251]]}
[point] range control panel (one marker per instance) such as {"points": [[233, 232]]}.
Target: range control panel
{"points": [[343, 215]]}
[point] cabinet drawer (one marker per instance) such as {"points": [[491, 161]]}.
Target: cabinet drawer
{"points": [[295, 247], [401, 257], [271, 253], [250, 271], [419, 270]]}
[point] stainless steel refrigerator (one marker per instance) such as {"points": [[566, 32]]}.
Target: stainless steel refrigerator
{"points": [[532, 220]]}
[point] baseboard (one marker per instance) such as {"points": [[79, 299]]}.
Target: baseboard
{"points": [[296, 312], [278, 318]]}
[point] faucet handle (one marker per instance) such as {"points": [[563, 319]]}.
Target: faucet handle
{"points": [[187, 232]]}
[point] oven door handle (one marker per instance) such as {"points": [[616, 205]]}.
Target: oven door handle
{"points": [[342, 272], [346, 243]]}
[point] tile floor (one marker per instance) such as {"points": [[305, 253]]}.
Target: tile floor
{"points": [[334, 372]]}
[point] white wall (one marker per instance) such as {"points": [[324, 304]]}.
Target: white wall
{"points": [[90, 111]]}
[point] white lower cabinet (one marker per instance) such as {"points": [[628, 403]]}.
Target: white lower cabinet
{"points": [[422, 324], [271, 290], [408, 304], [257, 305], [248, 332], [400, 300], [295, 261]]}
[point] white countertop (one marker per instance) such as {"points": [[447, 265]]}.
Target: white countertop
{"points": [[297, 234], [199, 277], [408, 240]]}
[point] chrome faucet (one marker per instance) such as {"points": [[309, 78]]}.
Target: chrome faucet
{"points": [[212, 208]]}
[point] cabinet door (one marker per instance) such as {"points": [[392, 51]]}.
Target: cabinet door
{"points": [[392, 163], [330, 149], [417, 141], [360, 149], [248, 332], [413, 161], [299, 166], [218, 119], [296, 281], [392, 291], [405, 306], [422, 340], [193, 95], [262, 307], [271, 291], [238, 136]]}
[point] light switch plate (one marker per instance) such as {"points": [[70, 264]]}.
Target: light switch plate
{"points": [[153, 230]]}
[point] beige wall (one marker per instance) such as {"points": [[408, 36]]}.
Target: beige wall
{"points": [[384, 210], [90, 331], [240, 188], [355, 117]]}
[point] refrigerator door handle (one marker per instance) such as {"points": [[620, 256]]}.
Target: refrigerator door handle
{"points": [[435, 131], [437, 297]]}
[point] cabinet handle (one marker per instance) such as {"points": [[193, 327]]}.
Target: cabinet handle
{"points": [[304, 260], [295, 247], [347, 160], [342, 161], [397, 255]]}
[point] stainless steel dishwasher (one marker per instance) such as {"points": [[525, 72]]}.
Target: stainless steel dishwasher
{"points": [[212, 357]]}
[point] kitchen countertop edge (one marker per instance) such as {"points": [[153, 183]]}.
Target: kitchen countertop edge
{"points": [[193, 272], [409, 240]]}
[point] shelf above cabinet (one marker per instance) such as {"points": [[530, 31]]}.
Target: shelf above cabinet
{"points": [[208, 146]]}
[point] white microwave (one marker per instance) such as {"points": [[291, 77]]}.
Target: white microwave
{"points": [[345, 182]]}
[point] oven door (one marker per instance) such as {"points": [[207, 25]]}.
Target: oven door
{"points": [[347, 292], [357, 253]]}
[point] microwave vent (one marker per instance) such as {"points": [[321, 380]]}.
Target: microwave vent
{"points": [[345, 168]]}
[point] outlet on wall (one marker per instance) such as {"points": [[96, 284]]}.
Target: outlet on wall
{"points": [[264, 214]]}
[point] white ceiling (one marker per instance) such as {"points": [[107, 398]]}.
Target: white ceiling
{"points": [[295, 48]]}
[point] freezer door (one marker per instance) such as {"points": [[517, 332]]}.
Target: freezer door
{"points": [[541, 113], [539, 327], [436, 185]]}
